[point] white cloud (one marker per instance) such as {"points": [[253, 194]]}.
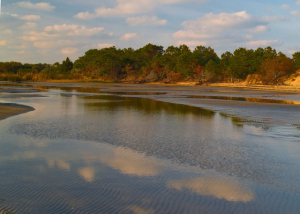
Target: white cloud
{"points": [[53, 44], [8, 31], [224, 20], [100, 46], [69, 51], [129, 7], [31, 17], [190, 34], [3, 43], [298, 3], [224, 29], [28, 26], [38, 6], [129, 36], [285, 7], [17, 47], [73, 30], [37, 36], [291, 52], [260, 29], [21, 52], [145, 20], [296, 13], [191, 43], [14, 15], [264, 43]]}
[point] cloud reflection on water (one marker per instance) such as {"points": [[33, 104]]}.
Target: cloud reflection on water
{"points": [[132, 163], [87, 173], [222, 188]]}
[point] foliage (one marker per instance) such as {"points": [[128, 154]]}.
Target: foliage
{"points": [[274, 71], [201, 64], [296, 58]]}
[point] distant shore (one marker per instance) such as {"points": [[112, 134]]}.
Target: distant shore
{"points": [[9, 110]]}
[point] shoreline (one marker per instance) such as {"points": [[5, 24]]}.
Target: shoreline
{"points": [[9, 110], [241, 85]]}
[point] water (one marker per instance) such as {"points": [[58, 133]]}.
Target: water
{"points": [[87, 151]]}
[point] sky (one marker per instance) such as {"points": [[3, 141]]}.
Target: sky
{"points": [[41, 31]]}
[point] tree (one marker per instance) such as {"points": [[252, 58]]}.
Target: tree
{"points": [[66, 66], [296, 58], [212, 68], [224, 62], [204, 54], [242, 63], [269, 53], [274, 71]]}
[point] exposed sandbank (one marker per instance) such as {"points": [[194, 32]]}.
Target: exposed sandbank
{"points": [[9, 110]]}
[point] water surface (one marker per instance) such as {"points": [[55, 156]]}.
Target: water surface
{"points": [[87, 151]]}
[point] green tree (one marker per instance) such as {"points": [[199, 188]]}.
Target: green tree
{"points": [[296, 58], [242, 63]]}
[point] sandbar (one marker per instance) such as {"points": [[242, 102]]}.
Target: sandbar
{"points": [[10, 109]]}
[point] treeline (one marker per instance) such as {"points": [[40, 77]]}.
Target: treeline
{"points": [[154, 63]]}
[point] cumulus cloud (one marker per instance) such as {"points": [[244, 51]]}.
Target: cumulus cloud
{"points": [[8, 31], [190, 34], [264, 43], [104, 45], [52, 44], [192, 43], [129, 36], [37, 6], [285, 7], [69, 51], [73, 30], [31, 17], [291, 52], [145, 20], [129, 7], [260, 29], [17, 47], [36, 36], [223, 28], [3, 43], [28, 26], [21, 52], [296, 13]]}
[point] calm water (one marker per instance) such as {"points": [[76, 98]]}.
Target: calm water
{"points": [[82, 151]]}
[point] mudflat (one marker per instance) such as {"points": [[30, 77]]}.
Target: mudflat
{"points": [[9, 110]]}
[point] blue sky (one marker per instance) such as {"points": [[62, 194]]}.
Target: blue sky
{"points": [[49, 31]]}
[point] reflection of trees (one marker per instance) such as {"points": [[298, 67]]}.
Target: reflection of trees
{"points": [[146, 105], [248, 99]]}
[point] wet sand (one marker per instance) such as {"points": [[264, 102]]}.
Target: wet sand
{"points": [[9, 110]]}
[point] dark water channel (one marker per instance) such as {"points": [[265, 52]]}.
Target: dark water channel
{"points": [[82, 151]]}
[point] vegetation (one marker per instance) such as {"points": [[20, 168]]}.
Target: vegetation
{"points": [[153, 63]]}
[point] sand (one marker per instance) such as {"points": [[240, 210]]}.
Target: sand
{"points": [[9, 110]]}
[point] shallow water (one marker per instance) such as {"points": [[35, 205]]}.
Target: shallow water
{"points": [[85, 151]]}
